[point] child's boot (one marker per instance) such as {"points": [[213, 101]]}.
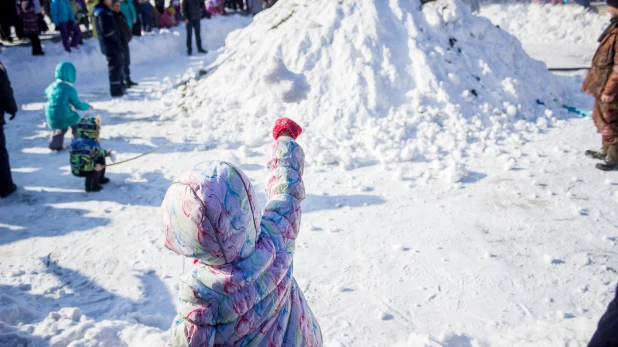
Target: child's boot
{"points": [[611, 161]]}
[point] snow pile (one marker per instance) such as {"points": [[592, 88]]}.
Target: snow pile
{"points": [[68, 326], [534, 23], [27, 72], [288, 86], [390, 82]]}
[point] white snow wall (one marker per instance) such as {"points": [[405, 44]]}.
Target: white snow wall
{"points": [[390, 81]]}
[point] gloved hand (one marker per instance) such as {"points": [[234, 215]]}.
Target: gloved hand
{"points": [[286, 125], [12, 116]]}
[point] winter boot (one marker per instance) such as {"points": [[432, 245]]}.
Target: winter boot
{"points": [[611, 160], [598, 155], [8, 192], [130, 83]]}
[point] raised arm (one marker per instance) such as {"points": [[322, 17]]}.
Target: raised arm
{"points": [[76, 102], [285, 189]]}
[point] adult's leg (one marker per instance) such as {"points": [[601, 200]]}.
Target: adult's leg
{"points": [[127, 63], [77, 34], [198, 35], [189, 26], [6, 181], [57, 139], [64, 33], [115, 67]]}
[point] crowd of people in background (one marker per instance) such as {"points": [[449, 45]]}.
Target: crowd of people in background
{"points": [[26, 19]]}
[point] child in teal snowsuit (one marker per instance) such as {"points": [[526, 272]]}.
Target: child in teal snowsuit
{"points": [[62, 99]]}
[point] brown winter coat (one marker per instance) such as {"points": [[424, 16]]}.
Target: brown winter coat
{"points": [[603, 79]]}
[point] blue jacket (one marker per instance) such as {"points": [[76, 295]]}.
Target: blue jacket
{"points": [[128, 10], [107, 30], [61, 96], [61, 12]]}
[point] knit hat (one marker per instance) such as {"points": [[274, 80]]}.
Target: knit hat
{"points": [[287, 124], [88, 128], [612, 3]]}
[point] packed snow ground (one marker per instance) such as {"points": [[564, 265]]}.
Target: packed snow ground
{"points": [[562, 36], [520, 252]]}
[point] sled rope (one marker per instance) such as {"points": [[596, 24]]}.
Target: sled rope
{"points": [[141, 155], [568, 68]]}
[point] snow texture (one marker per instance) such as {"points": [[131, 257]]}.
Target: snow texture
{"points": [[288, 86], [445, 242], [391, 82], [537, 23]]}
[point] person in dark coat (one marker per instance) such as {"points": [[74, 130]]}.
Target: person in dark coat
{"points": [[31, 25], [191, 15], [607, 330], [7, 105], [125, 35], [8, 18], [111, 45]]}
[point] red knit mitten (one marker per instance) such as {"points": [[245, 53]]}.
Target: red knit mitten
{"points": [[286, 124]]}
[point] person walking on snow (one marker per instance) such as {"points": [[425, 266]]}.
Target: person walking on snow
{"points": [[241, 290], [7, 105], [30, 19], [87, 156], [191, 15], [125, 36], [601, 82], [110, 42], [62, 99], [62, 16]]}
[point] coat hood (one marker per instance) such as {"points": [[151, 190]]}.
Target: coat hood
{"points": [[210, 213], [66, 72]]}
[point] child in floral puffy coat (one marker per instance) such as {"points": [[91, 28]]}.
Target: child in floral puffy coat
{"points": [[241, 290]]}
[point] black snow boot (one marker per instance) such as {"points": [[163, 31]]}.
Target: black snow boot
{"points": [[130, 83], [598, 155], [8, 192], [611, 160]]}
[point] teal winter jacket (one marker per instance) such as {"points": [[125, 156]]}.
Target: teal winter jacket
{"points": [[61, 95], [128, 10], [61, 12]]}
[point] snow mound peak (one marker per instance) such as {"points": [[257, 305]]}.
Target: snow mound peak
{"points": [[391, 81], [289, 87]]}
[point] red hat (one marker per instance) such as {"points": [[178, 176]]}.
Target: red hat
{"points": [[286, 124]]}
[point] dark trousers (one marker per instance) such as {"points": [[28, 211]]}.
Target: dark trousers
{"points": [[6, 180], [126, 72], [36, 44], [194, 25], [93, 178], [57, 139], [146, 18], [115, 65], [67, 28]]}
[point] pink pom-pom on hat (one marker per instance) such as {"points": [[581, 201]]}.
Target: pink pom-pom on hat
{"points": [[286, 124]]}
